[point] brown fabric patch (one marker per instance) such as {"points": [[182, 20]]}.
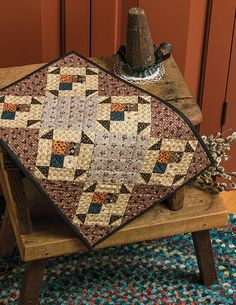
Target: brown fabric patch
{"points": [[141, 201], [34, 85], [109, 85], [92, 232], [65, 194], [198, 163], [167, 123], [23, 143]]}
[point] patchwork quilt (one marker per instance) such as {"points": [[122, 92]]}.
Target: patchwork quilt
{"points": [[102, 150]]}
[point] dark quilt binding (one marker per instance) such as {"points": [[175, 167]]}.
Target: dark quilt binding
{"points": [[101, 150]]}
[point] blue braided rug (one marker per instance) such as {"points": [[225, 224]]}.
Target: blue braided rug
{"points": [[162, 271]]}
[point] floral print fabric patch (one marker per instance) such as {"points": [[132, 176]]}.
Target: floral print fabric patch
{"points": [[102, 150]]}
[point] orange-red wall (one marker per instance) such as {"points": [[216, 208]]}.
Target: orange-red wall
{"points": [[30, 30], [20, 32], [50, 23], [196, 27]]}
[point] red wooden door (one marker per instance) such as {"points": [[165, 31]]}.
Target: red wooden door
{"points": [[108, 25], [220, 76], [30, 30], [217, 64], [77, 27], [230, 98], [20, 32]]}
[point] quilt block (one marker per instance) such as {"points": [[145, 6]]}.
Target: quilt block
{"points": [[102, 150]]}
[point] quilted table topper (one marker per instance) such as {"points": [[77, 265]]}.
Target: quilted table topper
{"points": [[103, 151]]}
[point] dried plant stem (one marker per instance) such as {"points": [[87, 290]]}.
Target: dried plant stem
{"points": [[218, 146]]}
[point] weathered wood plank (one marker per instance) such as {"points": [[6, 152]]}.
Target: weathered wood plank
{"points": [[11, 205], [12, 74], [32, 282], [17, 188], [205, 259]]}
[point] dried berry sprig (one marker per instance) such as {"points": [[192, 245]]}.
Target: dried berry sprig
{"points": [[218, 146]]}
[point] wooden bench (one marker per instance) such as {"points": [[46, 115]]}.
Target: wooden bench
{"points": [[41, 236]]}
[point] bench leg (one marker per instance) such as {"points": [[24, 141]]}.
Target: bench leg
{"points": [[176, 200], [205, 259], [32, 282], [7, 237]]}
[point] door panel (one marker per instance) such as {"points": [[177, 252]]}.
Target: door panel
{"points": [[20, 32], [104, 27], [109, 25], [220, 37], [230, 123], [78, 26], [193, 58], [50, 23]]}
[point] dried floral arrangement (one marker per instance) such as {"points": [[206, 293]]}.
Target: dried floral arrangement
{"points": [[218, 145]]}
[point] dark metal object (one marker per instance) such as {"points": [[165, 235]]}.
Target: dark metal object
{"points": [[139, 45], [161, 53], [139, 56]]}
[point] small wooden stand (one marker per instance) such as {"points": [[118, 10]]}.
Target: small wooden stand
{"points": [[39, 238]]}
